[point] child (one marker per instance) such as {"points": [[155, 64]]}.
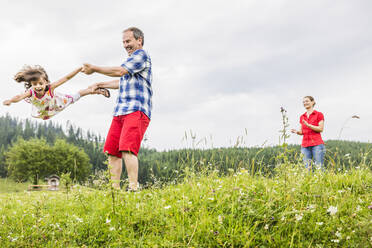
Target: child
{"points": [[40, 92]]}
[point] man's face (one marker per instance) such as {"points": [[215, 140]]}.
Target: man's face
{"points": [[130, 43]]}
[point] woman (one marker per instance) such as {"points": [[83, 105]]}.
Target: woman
{"points": [[312, 124]]}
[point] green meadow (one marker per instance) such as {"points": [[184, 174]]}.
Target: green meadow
{"points": [[291, 208]]}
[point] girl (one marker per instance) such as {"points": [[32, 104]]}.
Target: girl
{"points": [[40, 92], [312, 124]]}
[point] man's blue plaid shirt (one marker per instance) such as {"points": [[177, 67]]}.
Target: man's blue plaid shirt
{"points": [[135, 90]]}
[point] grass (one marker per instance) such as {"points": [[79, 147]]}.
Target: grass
{"points": [[293, 208], [8, 186]]}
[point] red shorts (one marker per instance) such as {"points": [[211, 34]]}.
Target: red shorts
{"points": [[126, 133]]}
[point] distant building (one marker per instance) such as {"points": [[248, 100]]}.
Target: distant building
{"points": [[53, 182]]}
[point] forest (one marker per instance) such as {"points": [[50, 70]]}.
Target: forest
{"points": [[160, 167]]}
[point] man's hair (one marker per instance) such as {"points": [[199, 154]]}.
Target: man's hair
{"points": [[137, 33], [30, 73]]}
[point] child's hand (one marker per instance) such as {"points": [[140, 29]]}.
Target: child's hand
{"points": [[7, 102]]}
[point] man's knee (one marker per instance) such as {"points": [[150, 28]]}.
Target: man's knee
{"points": [[113, 158], [128, 154]]}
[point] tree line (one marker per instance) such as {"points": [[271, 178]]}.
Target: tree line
{"points": [[171, 166], [166, 166], [12, 129]]}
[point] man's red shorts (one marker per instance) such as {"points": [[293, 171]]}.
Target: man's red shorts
{"points": [[126, 133]]}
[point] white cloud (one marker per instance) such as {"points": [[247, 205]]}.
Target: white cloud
{"points": [[221, 69]]}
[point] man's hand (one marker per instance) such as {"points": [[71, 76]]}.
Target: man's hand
{"points": [[88, 69], [94, 87], [7, 102]]}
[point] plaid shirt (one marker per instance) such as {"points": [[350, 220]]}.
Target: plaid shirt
{"points": [[135, 90]]}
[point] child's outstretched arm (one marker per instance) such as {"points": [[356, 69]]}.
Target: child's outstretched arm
{"points": [[17, 98], [65, 78]]}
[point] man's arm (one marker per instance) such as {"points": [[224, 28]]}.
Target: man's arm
{"points": [[65, 78], [116, 71], [108, 85], [17, 98]]}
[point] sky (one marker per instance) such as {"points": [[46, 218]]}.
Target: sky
{"points": [[221, 69]]}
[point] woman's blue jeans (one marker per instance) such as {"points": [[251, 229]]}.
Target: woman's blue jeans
{"points": [[314, 152]]}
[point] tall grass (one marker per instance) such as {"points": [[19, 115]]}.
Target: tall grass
{"points": [[8, 185], [293, 208]]}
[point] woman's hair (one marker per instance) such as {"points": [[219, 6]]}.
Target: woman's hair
{"points": [[311, 99], [30, 73]]}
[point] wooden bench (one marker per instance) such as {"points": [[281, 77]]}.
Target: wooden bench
{"points": [[37, 187]]}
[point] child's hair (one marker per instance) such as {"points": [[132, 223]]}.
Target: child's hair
{"points": [[30, 73]]}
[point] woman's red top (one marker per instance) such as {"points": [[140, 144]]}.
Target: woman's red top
{"points": [[310, 137]]}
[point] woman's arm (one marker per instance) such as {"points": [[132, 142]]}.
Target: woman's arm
{"points": [[299, 132], [317, 129], [117, 71], [108, 85], [65, 78], [17, 98]]}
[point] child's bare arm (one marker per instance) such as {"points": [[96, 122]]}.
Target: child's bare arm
{"points": [[17, 98], [65, 78]]}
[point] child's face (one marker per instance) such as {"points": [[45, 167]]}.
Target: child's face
{"points": [[39, 86]]}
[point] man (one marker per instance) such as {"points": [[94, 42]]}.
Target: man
{"points": [[132, 112]]}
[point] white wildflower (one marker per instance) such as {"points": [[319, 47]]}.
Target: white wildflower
{"points": [[338, 234], [79, 219], [332, 210], [13, 239], [266, 227], [340, 191], [220, 219], [312, 207], [358, 208], [347, 155], [319, 223], [112, 228], [190, 202], [108, 220], [335, 240], [299, 217], [211, 198], [167, 207], [348, 237]]}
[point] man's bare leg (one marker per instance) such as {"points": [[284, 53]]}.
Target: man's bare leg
{"points": [[115, 165], [131, 164]]}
